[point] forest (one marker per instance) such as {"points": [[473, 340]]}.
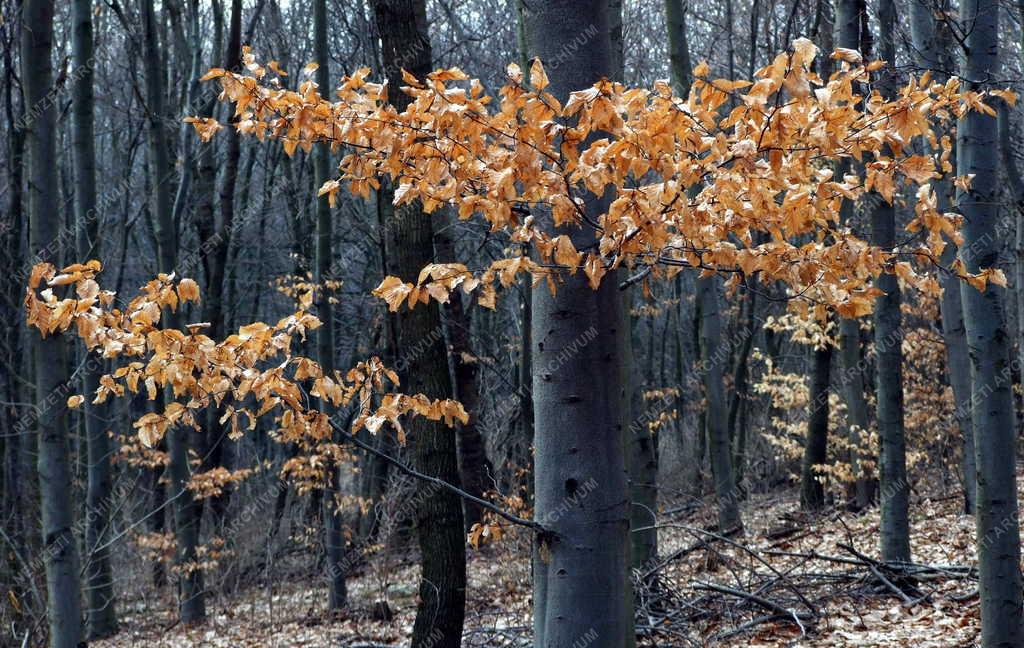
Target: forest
{"points": [[511, 323]]}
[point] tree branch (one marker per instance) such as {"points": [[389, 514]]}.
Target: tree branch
{"points": [[412, 472]]}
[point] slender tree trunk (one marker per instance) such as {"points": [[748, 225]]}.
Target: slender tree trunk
{"points": [[741, 373], [99, 585], [849, 14], [581, 580], [712, 358], [59, 544], [218, 446], [642, 443], [191, 597], [893, 484], [402, 25], [474, 468], [715, 422], [335, 539], [522, 456], [998, 532], [812, 489], [932, 47]]}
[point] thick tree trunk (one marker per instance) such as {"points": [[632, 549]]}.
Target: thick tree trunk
{"points": [[52, 390], [998, 532], [932, 47], [409, 240], [581, 580], [812, 489], [334, 533], [99, 584], [191, 597]]}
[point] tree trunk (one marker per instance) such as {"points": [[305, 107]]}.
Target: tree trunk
{"points": [[218, 448], [191, 597], [474, 468], [334, 533], [892, 465], [522, 453], [932, 46], [999, 577], [99, 584], [741, 373], [60, 550], [409, 240], [712, 357], [581, 580], [849, 14], [812, 490]]}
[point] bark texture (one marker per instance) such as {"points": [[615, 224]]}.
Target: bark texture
{"points": [[581, 581], [337, 596], [409, 240], [99, 584], [60, 559], [812, 489], [191, 597], [933, 49], [998, 531], [892, 465]]}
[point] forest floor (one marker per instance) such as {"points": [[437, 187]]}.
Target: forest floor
{"points": [[790, 580]]}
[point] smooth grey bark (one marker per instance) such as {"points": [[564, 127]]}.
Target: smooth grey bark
{"points": [[894, 487], [191, 597], [932, 47], [60, 556], [334, 536], [99, 583], [812, 489], [409, 241], [849, 15], [998, 531], [581, 580]]}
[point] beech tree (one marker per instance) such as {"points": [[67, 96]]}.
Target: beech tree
{"points": [[447, 144], [650, 223], [60, 546], [409, 244], [992, 411], [99, 578]]}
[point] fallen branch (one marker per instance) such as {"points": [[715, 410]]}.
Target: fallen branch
{"points": [[767, 604]]}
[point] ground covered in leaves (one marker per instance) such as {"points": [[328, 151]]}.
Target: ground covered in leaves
{"points": [[790, 580]]}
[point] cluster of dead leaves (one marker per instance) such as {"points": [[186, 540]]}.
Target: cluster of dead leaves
{"points": [[691, 179], [249, 374]]}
